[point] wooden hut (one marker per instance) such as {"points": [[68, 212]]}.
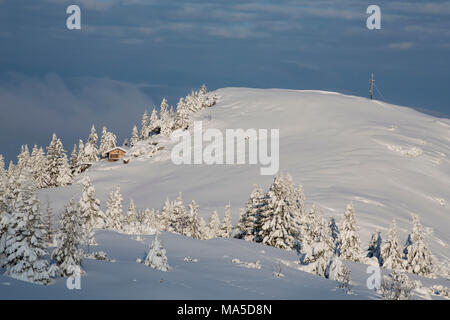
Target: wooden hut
{"points": [[115, 153]]}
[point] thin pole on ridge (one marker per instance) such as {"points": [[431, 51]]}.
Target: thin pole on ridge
{"points": [[372, 83]]}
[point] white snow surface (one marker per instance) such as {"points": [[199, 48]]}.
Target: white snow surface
{"points": [[391, 161]]}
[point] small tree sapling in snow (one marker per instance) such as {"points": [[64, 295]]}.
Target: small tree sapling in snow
{"points": [[396, 286], [337, 271], [156, 257]]}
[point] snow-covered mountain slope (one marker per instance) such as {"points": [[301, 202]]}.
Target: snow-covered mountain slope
{"points": [[390, 161]]}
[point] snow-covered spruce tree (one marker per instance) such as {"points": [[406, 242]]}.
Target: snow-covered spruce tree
{"points": [[4, 188], [114, 210], [150, 220], [309, 226], [191, 103], [131, 219], [166, 119], [11, 168], [349, 242], [183, 115], [334, 234], [47, 223], [281, 218], [74, 160], [194, 229], [111, 141], [3, 184], [23, 159], [91, 215], [156, 257], [107, 142], [67, 254], [134, 136], [155, 124], [165, 215], [90, 149], [65, 174], [172, 116], [2, 167], [102, 148], [317, 246], [390, 250], [203, 227], [227, 226], [213, 228], [81, 159], [249, 221], [145, 126], [38, 163], [25, 240], [178, 219], [374, 249], [418, 258], [56, 166]]}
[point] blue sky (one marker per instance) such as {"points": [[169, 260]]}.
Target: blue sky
{"points": [[131, 53]]}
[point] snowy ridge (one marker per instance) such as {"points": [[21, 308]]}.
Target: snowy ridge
{"points": [[390, 161], [328, 143]]}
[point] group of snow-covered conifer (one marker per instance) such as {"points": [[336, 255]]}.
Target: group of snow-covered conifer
{"points": [[54, 168], [26, 226], [278, 218]]}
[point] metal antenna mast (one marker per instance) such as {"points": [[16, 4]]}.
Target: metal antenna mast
{"points": [[372, 82]]}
